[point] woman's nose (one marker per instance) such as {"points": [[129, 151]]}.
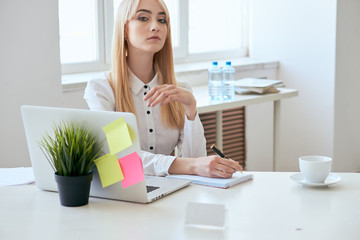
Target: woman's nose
{"points": [[154, 26]]}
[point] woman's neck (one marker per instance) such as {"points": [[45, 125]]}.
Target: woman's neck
{"points": [[142, 66]]}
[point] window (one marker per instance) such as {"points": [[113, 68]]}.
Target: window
{"points": [[214, 26], [202, 30]]}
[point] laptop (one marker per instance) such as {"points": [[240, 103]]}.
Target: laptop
{"points": [[40, 120]]}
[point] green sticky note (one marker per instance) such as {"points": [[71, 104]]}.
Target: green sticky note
{"points": [[109, 169], [118, 135]]}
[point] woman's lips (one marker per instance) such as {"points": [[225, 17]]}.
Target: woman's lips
{"points": [[154, 38]]}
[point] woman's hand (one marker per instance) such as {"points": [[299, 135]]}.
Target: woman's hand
{"points": [[210, 166], [164, 94], [216, 166]]}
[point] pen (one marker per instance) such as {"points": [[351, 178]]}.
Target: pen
{"points": [[219, 152]]}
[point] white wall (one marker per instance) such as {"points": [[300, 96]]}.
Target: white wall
{"points": [[29, 69], [301, 35], [347, 86]]}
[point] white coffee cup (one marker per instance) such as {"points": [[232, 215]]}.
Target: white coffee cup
{"points": [[315, 169]]}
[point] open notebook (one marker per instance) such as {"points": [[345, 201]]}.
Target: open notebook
{"points": [[216, 182]]}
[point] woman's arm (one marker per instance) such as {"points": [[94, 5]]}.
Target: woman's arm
{"points": [[211, 166], [156, 164], [192, 142], [164, 94], [99, 94]]}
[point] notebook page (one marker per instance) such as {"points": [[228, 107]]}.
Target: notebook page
{"points": [[216, 182]]}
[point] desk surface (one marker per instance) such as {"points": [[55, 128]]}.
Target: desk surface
{"points": [[270, 206], [204, 105]]}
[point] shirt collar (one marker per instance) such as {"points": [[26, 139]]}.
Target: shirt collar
{"points": [[136, 84]]}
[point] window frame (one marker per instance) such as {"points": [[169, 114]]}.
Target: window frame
{"points": [[104, 29]]}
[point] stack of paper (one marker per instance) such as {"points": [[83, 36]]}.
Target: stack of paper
{"points": [[216, 182], [257, 85], [16, 176]]}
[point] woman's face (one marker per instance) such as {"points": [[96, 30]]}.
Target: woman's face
{"points": [[147, 31]]}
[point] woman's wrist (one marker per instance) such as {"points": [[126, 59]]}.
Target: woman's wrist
{"points": [[191, 115], [191, 111], [182, 166]]}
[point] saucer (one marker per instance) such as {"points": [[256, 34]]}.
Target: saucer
{"points": [[331, 179]]}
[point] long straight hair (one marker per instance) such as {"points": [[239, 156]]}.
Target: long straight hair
{"points": [[172, 114]]}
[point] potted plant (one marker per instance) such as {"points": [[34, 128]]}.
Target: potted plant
{"points": [[71, 153]]}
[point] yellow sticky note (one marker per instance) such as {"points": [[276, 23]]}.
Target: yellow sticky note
{"points": [[118, 135], [109, 170]]}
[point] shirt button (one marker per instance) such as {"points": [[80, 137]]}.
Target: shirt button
{"points": [[145, 86], [148, 112], [145, 93], [151, 130], [151, 148]]}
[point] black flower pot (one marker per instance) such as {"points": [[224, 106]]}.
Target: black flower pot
{"points": [[74, 190]]}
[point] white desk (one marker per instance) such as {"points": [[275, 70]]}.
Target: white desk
{"points": [[204, 105], [269, 207]]}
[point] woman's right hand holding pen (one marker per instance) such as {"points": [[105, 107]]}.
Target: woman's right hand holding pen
{"points": [[216, 166], [210, 166]]}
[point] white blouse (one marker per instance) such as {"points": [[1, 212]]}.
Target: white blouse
{"points": [[157, 141]]}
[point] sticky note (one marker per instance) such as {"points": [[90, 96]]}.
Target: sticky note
{"points": [[109, 170], [205, 215], [131, 166], [118, 135]]}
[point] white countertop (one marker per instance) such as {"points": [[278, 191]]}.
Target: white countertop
{"points": [[205, 105], [271, 206]]}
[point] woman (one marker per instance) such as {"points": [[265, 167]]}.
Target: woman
{"points": [[142, 81]]}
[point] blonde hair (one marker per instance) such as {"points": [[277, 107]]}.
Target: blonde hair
{"points": [[172, 114]]}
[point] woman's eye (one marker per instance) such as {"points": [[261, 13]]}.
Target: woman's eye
{"points": [[163, 21], [144, 19]]}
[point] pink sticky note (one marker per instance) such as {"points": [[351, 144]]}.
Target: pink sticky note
{"points": [[132, 169]]}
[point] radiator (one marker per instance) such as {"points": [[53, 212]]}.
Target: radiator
{"points": [[232, 133]]}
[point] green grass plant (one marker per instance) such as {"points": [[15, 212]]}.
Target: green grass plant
{"points": [[72, 150]]}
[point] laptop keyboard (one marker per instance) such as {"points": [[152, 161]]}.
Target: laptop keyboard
{"points": [[151, 188]]}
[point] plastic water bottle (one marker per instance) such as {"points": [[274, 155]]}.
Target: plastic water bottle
{"points": [[228, 73], [215, 82]]}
